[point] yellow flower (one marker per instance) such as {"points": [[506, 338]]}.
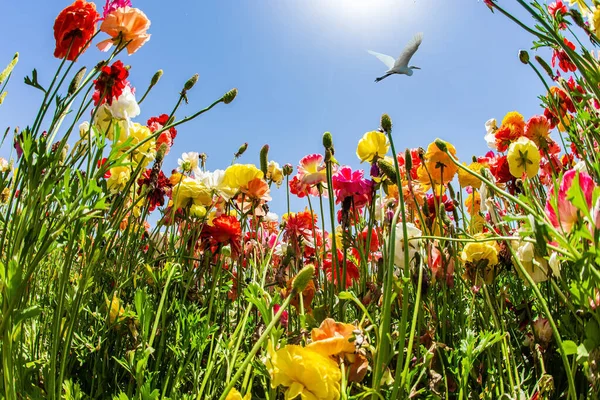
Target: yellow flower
{"points": [[275, 173], [332, 338], [115, 309], [580, 3], [466, 179], [479, 251], [523, 158], [372, 144], [105, 123], [235, 395], [594, 20], [473, 202], [438, 164], [147, 150], [515, 122], [190, 190], [306, 373], [119, 176], [238, 176]]}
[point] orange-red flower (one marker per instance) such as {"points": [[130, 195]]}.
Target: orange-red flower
{"points": [[73, 29], [126, 26], [225, 229]]}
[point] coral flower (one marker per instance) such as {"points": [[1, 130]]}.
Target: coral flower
{"points": [[127, 27], [538, 130], [566, 214], [225, 230], [371, 146], [257, 189], [305, 373], [332, 338], [439, 166], [74, 28], [523, 158]]}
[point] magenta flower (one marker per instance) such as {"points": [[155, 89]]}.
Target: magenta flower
{"points": [[112, 5], [348, 183], [566, 214]]}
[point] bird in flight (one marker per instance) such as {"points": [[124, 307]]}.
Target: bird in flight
{"points": [[400, 66]]}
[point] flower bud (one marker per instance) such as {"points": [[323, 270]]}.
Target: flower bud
{"points": [[388, 170], [191, 82], [303, 278], [327, 140], [545, 65], [2, 96], [288, 169], [197, 211], [156, 77], [524, 56], [76, 81], [408, 160], [386, 123], [421, 153], [241, 150], [441, 145], [229, 96], [4, 74], [264, 159]]}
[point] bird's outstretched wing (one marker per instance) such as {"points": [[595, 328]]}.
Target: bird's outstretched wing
{"points": [[408, 51], [387, 60]]}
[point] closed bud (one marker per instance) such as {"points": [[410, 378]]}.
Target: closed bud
{"points": [[191, 82], [229, 96], [524, 56], [421, 153], [288, 169], [264, 159], [4, 74], [545, 65], [441, 145], [386, 123], [76, 81], [577, 18], [156, 77], [327, 140], [328, 155], [241, 150], [408, 160], [388, 170], [2, 96], [303, 278], [162, 150]]}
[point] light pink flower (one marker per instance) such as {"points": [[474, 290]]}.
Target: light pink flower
{"points": [[312, 170], [566, 214]]}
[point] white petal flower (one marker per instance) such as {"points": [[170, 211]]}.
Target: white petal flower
{"points": [[125, 107]]}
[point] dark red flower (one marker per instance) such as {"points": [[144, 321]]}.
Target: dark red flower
{"points": [[158, 189], [110, 83], [73, 29], [445, 201]]}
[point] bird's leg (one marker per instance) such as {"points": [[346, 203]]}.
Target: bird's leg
{"points": [[382, 77]]}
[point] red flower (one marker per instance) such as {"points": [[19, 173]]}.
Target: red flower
{"points": [[500, 170], [158, 189], [348, 183], [564, 62], [504, 137], [226, 229], [445, 201], [157, 123], [73, 29], [352, 273], [101, 163], [557, 7], [110, 83]]}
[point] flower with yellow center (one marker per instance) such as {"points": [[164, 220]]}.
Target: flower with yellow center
{"points": [[235, 395], [466, 179], [238, 176], [190, 190], [523, 158], [119, 177], [473, 202], [372, 145], [439, 167], [305, 373]]}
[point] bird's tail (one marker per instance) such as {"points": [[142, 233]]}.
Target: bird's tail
{"points": [[382, 77]]}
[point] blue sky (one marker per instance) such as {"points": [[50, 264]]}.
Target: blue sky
{"points": [[301, 68]]}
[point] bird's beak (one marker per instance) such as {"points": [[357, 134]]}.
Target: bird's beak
{"points": [[415, 67]]}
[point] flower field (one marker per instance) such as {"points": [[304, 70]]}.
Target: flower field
{"points": [[420, 276]]}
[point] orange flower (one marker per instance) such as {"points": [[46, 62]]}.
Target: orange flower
{"points": [[257, 189], [308, 294], [126, 26], [332, 338], [73, 29], [441, 169]]}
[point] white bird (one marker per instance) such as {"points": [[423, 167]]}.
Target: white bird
{"points": [[400, 66]]}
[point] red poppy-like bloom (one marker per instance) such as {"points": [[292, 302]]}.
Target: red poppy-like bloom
{"points": [[73, 29], [100, 164], [557, 7], [416, 162], [348, 183], [538, 130], [352, 273], [564, 104], [158, 189], [500, 170], [225, 230], [110, 83], [445, 201], [300, 224], [564, 62]]}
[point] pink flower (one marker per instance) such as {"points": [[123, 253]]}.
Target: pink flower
{"points": [[348, 183], [596, 215], [312, 170], [283, 320], [566, 214], [112, 5]]}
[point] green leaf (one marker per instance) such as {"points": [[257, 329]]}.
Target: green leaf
{"points": [[33, 81], [569, 347]]}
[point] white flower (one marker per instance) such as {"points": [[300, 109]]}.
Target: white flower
{"points": [[281, 249], [535, 266], [3, 164], [214, 181], [490, 129], [271, 217], [580, 166], [84, 128], [413, 245], [554, 264], [125, 107], [189, 163]]}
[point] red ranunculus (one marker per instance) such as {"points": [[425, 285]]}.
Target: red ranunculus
{"points": [[110, 83], [73, 29]]}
